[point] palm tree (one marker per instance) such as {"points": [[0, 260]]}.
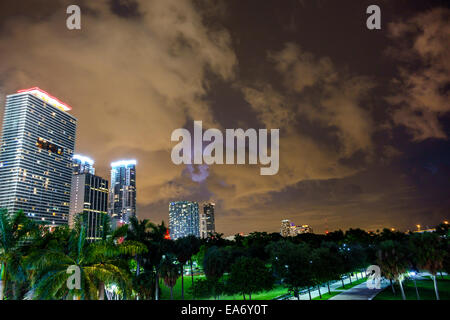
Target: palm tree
{"points": [[110, 251], [144, 284], [183, 252], [428, 254], [393, 262], [16, 233], [214, 266], [186, 248], [139, 231], [159, 245], [96, 262], [170, 271], [154, 238], [194, 247]]}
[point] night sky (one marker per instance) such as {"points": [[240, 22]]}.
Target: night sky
{"points": [[363, 114]]}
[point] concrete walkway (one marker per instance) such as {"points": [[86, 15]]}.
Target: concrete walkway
{"points": [[360, 292], [333, 287]]}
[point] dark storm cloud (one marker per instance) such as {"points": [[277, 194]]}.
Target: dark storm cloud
{"points": [[130, 83], [422, 94], [125, 8]]}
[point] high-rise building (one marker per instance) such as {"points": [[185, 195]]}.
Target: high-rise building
{"points": [[88, 199], [207, 224], [82, 164], [122, 193], [183, 219], [36, 151], [289, 229], [304, 229], [285, 228]]}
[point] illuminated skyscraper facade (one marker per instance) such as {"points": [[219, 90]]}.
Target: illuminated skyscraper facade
{"points": [[285, 228], [207, 224], [122, 193], [89, 198], [38, 139], [183, 219], [82, 164], [289, 229]]}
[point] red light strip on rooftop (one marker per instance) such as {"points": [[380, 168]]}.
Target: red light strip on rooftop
{"points": [[47, 98]]}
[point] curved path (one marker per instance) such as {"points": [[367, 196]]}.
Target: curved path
{"points": [[360, 292]]}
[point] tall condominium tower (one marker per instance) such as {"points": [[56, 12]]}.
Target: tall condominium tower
{"points": [[36, 156], [207, 224], [183, 219], [285, 228], [122, 193], [82, 164], [88, 198]]}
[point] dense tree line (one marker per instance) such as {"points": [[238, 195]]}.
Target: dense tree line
{"points": [[134, 259]]}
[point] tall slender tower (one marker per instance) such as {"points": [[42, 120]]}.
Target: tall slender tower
{"points": [[285, 228], [36, 152], [88, 198], [207, 224], [122, 193]]}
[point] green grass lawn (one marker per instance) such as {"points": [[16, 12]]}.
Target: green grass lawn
{"points": [[267, 295], [277, 291], [326, 296], [165, 291], [425, 288], [354, 283]]}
